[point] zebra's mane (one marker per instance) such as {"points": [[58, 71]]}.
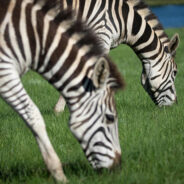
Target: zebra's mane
{"points": [[88, 37], [144, 10], [114, 72], [75, 24]]}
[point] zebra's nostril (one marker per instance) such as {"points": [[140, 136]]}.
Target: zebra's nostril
{"points": [[117, 161]]}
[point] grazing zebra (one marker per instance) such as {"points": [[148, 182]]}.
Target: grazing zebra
{"points": [[132, 22], [35, 35]]}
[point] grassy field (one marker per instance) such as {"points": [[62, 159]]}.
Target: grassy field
{"points": [[152, 138], [163, 2]]}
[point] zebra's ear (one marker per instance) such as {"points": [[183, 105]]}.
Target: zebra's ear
{"points": [[173, 45], [101, 72]]}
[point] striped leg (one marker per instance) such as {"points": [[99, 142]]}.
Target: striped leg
{"points": [[13, 92], [60, 106]]}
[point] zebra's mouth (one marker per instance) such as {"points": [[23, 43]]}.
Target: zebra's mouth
{"points": [[160, 97], [165, 101]]}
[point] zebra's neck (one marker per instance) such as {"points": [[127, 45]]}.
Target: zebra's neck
{"points": [[113, 18], [143, 33]]}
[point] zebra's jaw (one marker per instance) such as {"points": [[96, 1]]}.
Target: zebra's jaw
{"points": [[94, 143], [159, 97]]}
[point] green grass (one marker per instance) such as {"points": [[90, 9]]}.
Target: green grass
{"points": [[152, 138], [163, 2]]}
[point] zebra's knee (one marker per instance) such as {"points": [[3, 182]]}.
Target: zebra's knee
{"points": [[34, 119]]}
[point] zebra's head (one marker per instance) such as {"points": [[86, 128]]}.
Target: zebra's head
{"points": [[158, 78], [93, 119]]}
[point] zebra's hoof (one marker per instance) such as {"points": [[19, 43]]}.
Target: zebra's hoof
{"points": [[60, 177]]}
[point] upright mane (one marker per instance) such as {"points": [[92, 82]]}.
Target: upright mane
{"points": [[67, 17], [78, 26], [144, 10]]}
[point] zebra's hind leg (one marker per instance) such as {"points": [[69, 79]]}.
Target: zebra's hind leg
{"points": [[60, 106], [13, 92]]}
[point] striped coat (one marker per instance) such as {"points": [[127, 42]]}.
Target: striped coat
{"points": [[35, 35], [131, 22]]}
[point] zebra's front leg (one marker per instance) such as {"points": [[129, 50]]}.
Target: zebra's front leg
{"points": [[13, 92], [37, 125], [60, 106]]}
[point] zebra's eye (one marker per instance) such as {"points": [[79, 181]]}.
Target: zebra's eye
{"points": [[110, 118], [174, 73]]}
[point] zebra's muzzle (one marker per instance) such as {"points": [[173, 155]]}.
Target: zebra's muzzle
{"points": [[117, 161]]}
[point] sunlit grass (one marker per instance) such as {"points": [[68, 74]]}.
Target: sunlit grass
{"points": [[152, 139]]}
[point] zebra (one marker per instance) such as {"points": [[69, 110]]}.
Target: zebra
{"points": [[35, 35], [131, 22]]}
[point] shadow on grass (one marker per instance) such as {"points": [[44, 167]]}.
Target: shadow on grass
{"points": [[22, 173], [81, 168]]}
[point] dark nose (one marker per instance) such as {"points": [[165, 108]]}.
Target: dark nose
{"points": [[117, 161]]}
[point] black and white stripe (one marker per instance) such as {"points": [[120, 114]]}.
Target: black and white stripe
{"points": [[35, 35], [132, 22]]}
